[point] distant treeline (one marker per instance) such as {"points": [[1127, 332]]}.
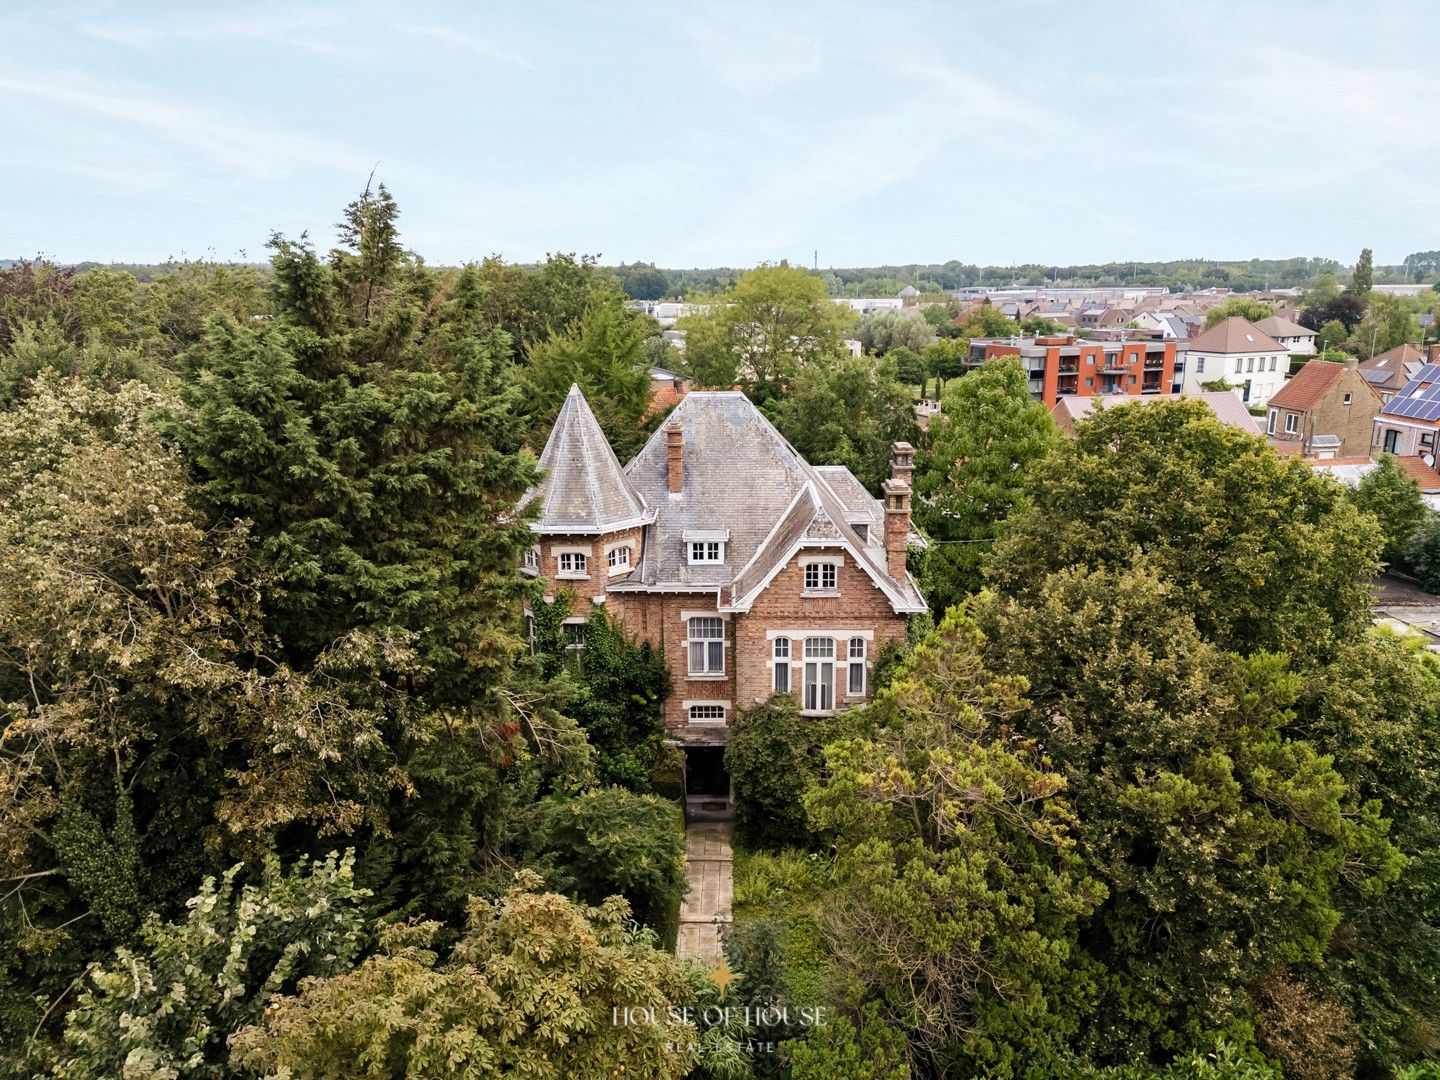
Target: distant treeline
{"points": [[645, 281]]}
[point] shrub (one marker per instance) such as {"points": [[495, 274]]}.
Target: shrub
{"points": [[1422, 554], [773, 755], [612, 842]]}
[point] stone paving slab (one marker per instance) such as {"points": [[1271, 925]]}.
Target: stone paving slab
{"points": [[705, 911]]}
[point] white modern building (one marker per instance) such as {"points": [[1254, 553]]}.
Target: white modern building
{"points": [[1237, 351]]}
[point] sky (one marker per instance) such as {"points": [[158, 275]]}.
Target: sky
{"points": [[728, 134]]}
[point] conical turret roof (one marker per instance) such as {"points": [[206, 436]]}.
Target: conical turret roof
{"points": [[585, 490]]}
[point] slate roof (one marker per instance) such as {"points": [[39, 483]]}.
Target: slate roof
{"points": [[1235, 335], [584, 490], [1225, 404], [1309, 386], [743, 479]]}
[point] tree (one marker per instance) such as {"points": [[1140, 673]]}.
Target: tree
{"points": [[530, 989], [1325, 289], [1263, 553], [848, 412], [1363, 277], [167, 1005], [146, 731], [987, 321], [1243, 306], [1376, 710], [1390, 495], [369, 432], [772, 755], [643, 282], [612, 842], [1422, 553], [971, 472], [880, 333], [775, 321], [946, 360], [909, 367], [1389, 323], [1221, 834], [533, 303], [841, 1050], [602, 353], [960, 893], [1333, 334]]}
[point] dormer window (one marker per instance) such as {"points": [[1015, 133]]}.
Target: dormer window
{"points": [[706, 551]]}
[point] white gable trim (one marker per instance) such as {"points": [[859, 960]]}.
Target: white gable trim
{"points": [[744, 603]]}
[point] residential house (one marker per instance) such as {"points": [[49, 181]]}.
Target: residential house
{"points": [[1350, 471], [1225, 404], [666, 388], [1165, 323], [1299, 340], [1062, 365], [1240, 353], [1327, 409], [1408, 422], [1389, 371], [750, 570]]}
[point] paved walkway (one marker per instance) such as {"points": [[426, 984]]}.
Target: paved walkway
{"points": [[705, 911]]}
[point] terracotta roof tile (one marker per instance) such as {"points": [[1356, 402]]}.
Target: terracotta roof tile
{"points": [[1235, 335], [1308, 386]]}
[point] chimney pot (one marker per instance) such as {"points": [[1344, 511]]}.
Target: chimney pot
{"points": [[675, 456]]}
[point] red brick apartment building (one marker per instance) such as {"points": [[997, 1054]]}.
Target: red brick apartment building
{"points": [[1064, 365], [750, 570]]}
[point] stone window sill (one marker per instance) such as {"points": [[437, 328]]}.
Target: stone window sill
{"points": [[820, 593], [706, 676]]}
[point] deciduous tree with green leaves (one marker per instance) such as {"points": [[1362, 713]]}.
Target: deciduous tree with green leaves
{"points": [[1390, 495], [971, 472], [530, 989]]}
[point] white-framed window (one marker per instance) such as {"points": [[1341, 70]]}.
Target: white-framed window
{"points": [[707, 551], [1200, 365], [1349, 398], [619, 559], [573, 564], [573, 635], [819, 674], [1249, 364], [1273, 361], [1270, 423], [1239, 364], [707, 714], [707, 646], [1291, 423], [530, 635], [821, 577], [782, 665], [531, 561], [855, 685]]}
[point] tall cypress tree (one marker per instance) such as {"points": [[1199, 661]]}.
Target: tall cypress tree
{"points": [[368, 429]]}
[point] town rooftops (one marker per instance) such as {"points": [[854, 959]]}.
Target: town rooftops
{"points": [[1277, 326], [1235, 335], [1418, 399], [584, 491], [740, 475], [1394, 367], [1350, 471], [1225, 404], [1308, 386]]}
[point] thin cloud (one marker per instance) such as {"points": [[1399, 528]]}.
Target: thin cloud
{"points": [[313, 33], [465, 41], [235, 141]]}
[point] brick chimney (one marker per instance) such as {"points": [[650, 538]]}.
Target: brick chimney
{"points": [[897, 525], [675, 456]]}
